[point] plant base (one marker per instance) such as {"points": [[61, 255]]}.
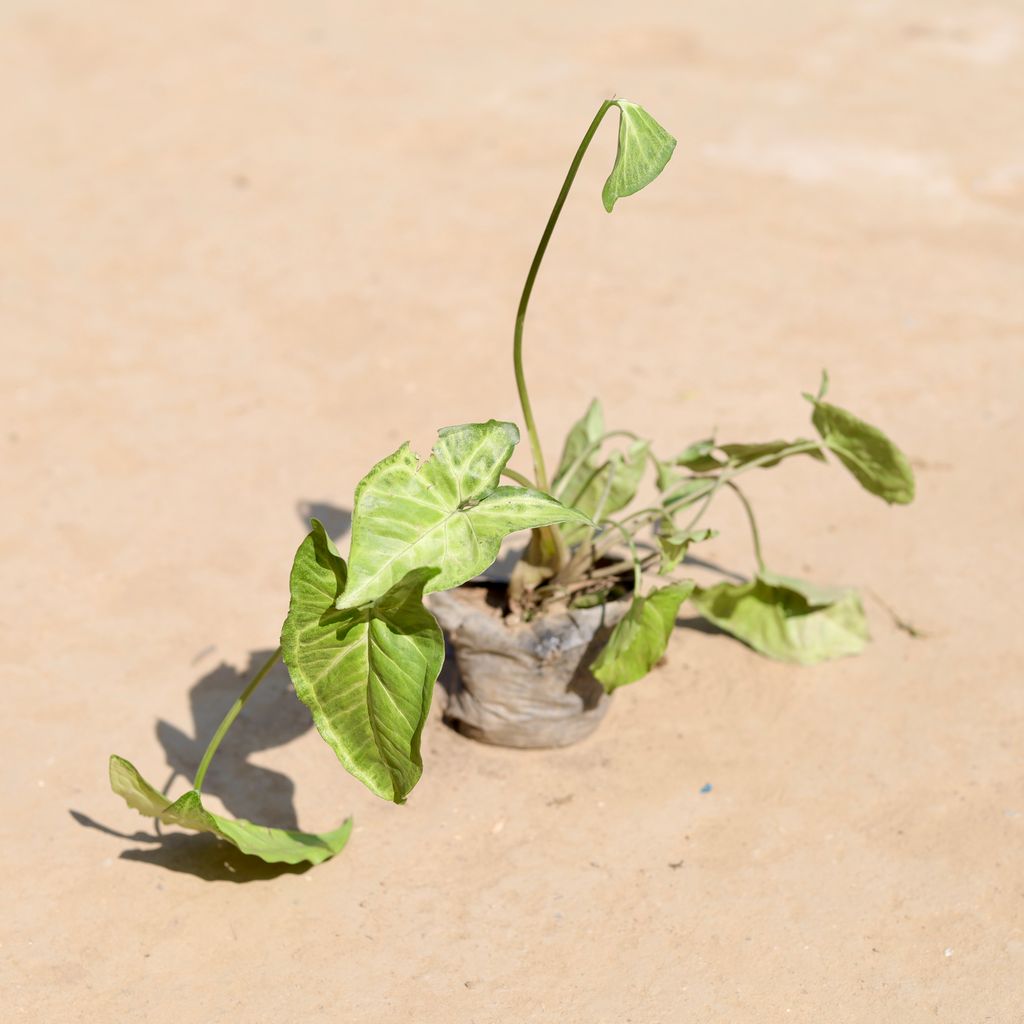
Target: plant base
{"points": [[522, 684]]}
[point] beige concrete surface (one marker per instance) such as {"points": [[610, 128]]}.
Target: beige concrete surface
{"points": [[249, 249]]}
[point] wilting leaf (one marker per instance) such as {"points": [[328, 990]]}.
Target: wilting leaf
{"points": [[620, 478], [866, 452], [674, 544], [699, 457], [644, 149], [447, 512], [787, 618], [367, 674], [274, 845], [586, 431], [639, 640], [741, 454]]}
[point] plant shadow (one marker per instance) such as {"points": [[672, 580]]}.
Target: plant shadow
{"points": [[272, 718], [204, 856]]}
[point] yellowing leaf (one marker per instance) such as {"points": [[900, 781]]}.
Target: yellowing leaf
{"points": [[639, 640], [787, 618], [274, 845], [879, 466], [447, 512], [366, 674]]}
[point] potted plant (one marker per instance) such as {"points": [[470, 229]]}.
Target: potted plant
{"points": [[538, 656]]}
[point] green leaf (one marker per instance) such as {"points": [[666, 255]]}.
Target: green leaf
{"points": [[447, 512], [787, 618], [644, 149], [639, 641], [865, 451], [367, 674], [699, 457], [674, 544], [274, 845], [607, 489], [583, 434], [741, 454]]}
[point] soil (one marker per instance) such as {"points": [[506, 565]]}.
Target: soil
{"points": [[248, 251]]}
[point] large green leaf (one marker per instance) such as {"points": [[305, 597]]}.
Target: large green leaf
{"points": [[639, 640], [274, 845], [644, 149], [367, 674], [674, 544], [787, 618], [865, 451], [742, 454], [447, 512]]}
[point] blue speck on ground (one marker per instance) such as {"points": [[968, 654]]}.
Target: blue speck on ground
{"points": [[706, 788]]}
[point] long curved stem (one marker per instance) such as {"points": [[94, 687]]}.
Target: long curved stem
{"points": [[754, 534], [230, 717], [540, 471]]}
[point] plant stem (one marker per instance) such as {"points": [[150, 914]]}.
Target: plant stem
{"points": [[755, 536], [518, 477], [714, 484], [540, 470], [637, 567], [230, 717]]}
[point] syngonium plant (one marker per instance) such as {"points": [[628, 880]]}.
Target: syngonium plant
{"points": [[364, 651]]}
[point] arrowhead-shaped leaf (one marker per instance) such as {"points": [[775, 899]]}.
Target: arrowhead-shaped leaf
{"points": [[787, 618], [367, 674], [447, 512], [674, 545], [274, 845], [866, 452], [644, 149], [639, 640]]}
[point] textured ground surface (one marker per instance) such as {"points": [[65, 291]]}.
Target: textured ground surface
{"points": [[249, 250]]}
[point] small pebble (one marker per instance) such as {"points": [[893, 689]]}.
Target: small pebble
{"points": [[706, 788], [948, 951]]}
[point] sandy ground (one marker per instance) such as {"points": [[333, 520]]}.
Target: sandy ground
{"points": [[249, 250]]}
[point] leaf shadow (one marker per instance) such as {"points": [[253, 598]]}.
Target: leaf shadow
{"points": [[337, 520], [272, 717], [202, 855]]}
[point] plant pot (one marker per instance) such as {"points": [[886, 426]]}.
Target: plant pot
{"points": [[522, 684]]}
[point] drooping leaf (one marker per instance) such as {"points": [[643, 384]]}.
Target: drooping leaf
{"points": [[639, 640], [584, 433], [879, 466], [742, 454], [786, 618], [699, 457], [274, 845], [644, 149], [609, 489], [674, 544], [366, 674], [447, 512]]}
